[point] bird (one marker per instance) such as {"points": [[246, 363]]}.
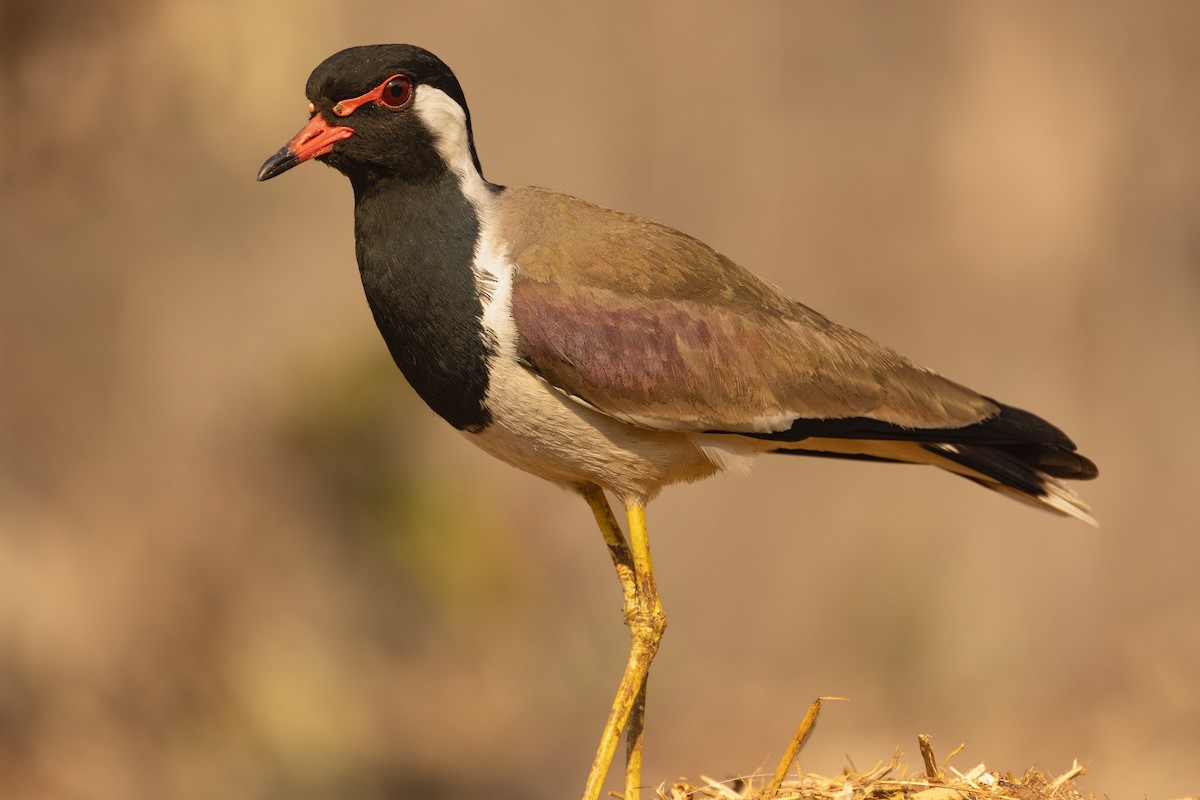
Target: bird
{"points": [[614, 355]]}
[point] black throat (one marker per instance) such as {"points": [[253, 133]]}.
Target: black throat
{"points": [[416, 245]]}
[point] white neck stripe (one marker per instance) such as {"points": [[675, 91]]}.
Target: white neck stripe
{"points": [[447, 122]]}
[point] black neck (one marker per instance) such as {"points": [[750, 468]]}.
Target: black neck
{"points": [[416, 244]]}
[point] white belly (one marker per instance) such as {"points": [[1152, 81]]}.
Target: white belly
{"points": [[540, 430]]}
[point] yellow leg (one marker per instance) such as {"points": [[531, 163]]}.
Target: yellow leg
{"points": [[617, 547], [633, 744], [644, 615], [651, 622]]}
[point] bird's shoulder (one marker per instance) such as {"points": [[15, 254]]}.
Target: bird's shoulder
{"points": [[555, 238]]}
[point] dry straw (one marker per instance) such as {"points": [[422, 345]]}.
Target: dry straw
{"points": [[885, 781]]}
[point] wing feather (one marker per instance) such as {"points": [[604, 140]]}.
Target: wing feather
{"points": [[671, 335]]}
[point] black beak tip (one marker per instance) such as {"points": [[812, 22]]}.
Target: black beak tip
{"points": [[277, 164]]}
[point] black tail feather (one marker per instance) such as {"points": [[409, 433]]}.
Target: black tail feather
{"points": [[1013, 452], [1024, 437]]}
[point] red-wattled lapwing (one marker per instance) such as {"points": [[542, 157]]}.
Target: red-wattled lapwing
{"points": [[605, 352]]}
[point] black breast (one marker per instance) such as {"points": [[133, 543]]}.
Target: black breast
{"points": [[416, 245]]}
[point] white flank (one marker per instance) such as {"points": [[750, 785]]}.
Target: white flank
{"points": [[727, 453], [494, 276]]}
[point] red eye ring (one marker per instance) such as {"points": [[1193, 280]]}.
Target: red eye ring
{"points": [[396, 92]]}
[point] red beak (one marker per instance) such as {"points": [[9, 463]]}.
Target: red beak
{"points": [[314, 139]]}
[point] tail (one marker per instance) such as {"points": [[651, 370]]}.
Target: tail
{"points": [[1021, 473], [1014, 452]]}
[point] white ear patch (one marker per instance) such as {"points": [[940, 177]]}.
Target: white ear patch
{"points": [[448, 122]]}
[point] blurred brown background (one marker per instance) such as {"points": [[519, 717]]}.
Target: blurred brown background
{"points": [[239, 559]]}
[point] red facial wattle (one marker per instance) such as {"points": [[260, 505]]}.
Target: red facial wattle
{"points": [[318, 137]]}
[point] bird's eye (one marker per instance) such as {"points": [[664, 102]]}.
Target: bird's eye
{"points": [[396, 92]]}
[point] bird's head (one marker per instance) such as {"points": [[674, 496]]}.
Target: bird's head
{"points": [[383, 111]]}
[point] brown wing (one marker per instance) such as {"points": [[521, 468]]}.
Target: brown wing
{"points": [[655, 328]]}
